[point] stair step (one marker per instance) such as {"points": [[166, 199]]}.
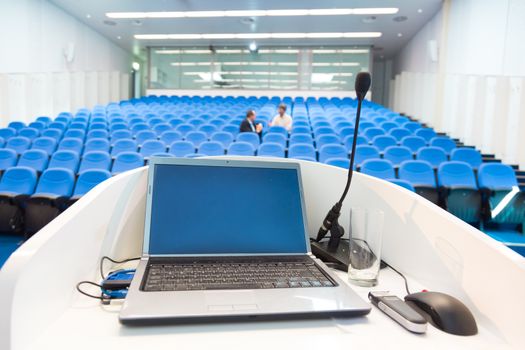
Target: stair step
{"points": [[491, 160], [488, 156]]}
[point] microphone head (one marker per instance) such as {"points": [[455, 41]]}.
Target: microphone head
{"points": [[362, 84]]}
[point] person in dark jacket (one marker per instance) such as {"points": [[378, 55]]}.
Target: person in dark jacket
{"points": [[249, 124]]}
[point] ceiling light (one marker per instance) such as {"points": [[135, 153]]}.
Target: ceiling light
{"points": [[321, 78], [355, 51], [326, 35], [400, 34], [254, 13], [253, 46], [135, 65], [419, 10], [88, 15]]}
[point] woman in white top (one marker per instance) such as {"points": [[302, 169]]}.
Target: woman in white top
{"points": [[282, 119]]}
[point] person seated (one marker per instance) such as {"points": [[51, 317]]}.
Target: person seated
{"points": [[249, 125], [282, 119]]}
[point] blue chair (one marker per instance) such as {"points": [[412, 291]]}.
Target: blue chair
{"points": [[399, 133], [279, 130], [123, 145], [332, 151], [218, 123], [365, 125], [387, 126], [145, 135], [325, 130], [97, 145], [71, 144], [182, 148], [225, 138], [301, 138], [196, 137], [502, 196], [98, 134], [361, 140], [44, 119], [17, 184], [75, 133], [151, 147], [383, 141], [327, 139], [174, 122], [421, 175], [168, 137], [414, 143], [88, 180], [370, 133], [346, 131], [364, 152], [443, 142], [397, 154], [208, 129], [460, 190], [402, 183], [433, 155], [156, 121], [18, 144], [2, 142], [77, 126], [121, 135], [211, 148], [127, 161], [467, 155], [7, 133], [162, 127], [305, 151], [58, 125], [271, 149], [47, 144], [98, 126], [8, 158], [232, 129], [338, 162], [379, 168], [241, 148], [53, 133], [30, 133], [136, 128], [38, 125], [16, 125], [426, 133], [275, 138], [35, 159], [412, 126], [95, 160], [64, 159], [301, 130], [54, 188], [183, 129], [250, 137]]}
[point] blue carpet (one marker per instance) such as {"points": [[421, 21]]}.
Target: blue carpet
{"points": [[8, 244]]}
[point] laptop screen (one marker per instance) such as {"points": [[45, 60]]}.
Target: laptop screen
{"points": [[204, 209]]}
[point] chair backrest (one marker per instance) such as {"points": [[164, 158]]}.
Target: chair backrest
{"points": [[34, 158], [97, 134], [361, 140], [301, 130], [399, 133], [412, 126], [120, 134], [145, 135], [151, 147], [456, 175], [7, 133], [387, 126], [443, 142], [89, 179], [418, 173], [97, 145], [71, 144], [271, 149], [275, 138], [182, 148], [196, 137], [170, 136], [18, 144], [497, 177], [56, 181], [324, 130], [397, 154], [123, 145], [380, 168], [365, 152], [30, 133], [37, 125], [127, 161], [75, 133], [332, 151], [211, 148], [413, 142], [53, 132], [16, 125], [403, 183], [433, 155], [95, 160], [468, 155], [426, 133], [225, 138], [47, 144], [370, 133], [208, 129], [98, 126], [232, 129], [249, 137], [346, 131], [301, 138], [162, 127], [8, 158], [19, 180], [302, 151], [64, 159], [241, 148], [278, 129], [383, 141], [338, 162], [183, 129]]}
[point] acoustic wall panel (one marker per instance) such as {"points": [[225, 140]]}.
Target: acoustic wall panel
{"points": [[78, 90], [515, 128], [61, 92]]}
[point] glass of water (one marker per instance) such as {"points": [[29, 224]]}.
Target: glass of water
{"points": [[366, 238]]}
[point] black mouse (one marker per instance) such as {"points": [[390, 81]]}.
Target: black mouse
{"points": [[444, 312]]}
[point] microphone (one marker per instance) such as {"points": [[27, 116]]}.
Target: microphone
{"points": [[330, 222]]}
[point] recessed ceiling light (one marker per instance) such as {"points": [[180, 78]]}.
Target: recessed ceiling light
{"points": [[88, 15], [419, 10], [255, 13], [400, 34], [119, 37], [136, 65], [230, 36]]}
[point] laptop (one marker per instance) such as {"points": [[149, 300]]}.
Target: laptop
{"points": [[227, 240]]}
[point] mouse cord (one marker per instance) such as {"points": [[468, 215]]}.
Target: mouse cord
{"points": [[400, 274], [104, 258]]}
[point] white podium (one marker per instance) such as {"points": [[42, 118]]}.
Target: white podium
{"points": [[40, 308]]}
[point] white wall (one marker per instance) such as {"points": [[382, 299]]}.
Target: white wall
{"points": [[36, 79], [476, 90]]}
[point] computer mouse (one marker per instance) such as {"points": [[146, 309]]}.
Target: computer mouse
{"points": [[444, 312]]}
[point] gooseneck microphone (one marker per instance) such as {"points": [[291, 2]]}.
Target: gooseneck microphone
{"points": [[330, 222]]}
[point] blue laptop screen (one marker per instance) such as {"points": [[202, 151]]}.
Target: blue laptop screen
{"points": [[225, 210]]}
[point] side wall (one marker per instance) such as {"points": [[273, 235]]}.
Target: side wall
{"points": [[35, 77]]}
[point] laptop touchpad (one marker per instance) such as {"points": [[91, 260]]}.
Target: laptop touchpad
{"points": [[232, 299]]}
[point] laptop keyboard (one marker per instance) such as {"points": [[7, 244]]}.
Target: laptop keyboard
{"points": [[234, 275]]}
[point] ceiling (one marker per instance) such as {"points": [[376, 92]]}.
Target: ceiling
{"points": [[121, 31]]}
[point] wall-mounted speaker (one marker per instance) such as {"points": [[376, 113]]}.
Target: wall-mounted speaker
{"points": [[69, 52], [433, 50]]}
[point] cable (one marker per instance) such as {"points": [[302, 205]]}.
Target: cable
{"points": [[102, 274], [400, 274], [101, 297]]}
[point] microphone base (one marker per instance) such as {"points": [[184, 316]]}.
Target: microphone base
{"points": [[340, 256]]}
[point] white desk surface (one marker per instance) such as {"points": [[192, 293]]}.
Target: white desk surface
{"points": [[89, 325]]}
